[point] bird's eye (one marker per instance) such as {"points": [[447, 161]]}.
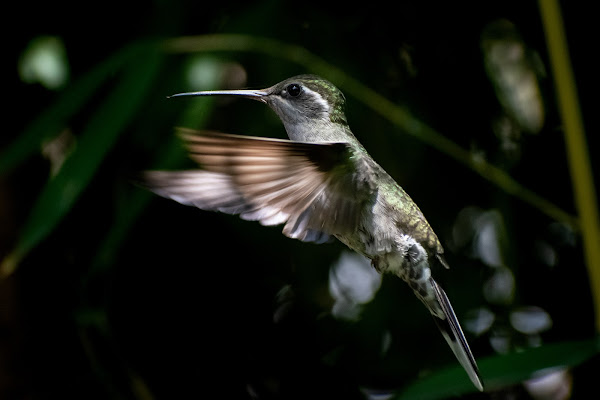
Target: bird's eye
{"points": [[294, 89]]}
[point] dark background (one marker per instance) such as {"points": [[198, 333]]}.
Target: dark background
{"points": [[181, 304]]}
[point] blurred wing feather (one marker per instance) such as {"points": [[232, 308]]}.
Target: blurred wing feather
{"points": [[310, 187]]}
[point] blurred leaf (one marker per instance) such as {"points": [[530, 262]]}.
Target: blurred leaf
{"points": [[195, 113], [502, 370], [45, 61], [130, 207], [111, 117], [72, 100]]}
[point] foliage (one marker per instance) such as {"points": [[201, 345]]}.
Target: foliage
{"points": [[145, 299]]}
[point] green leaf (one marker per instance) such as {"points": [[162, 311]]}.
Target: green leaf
{"points": [[53, 120], [502, 370], [196, 113], [110, 119]]}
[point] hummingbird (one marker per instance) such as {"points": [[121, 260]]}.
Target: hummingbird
{"points": [[321, 183]]}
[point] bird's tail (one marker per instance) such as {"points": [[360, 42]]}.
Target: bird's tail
{"points": [[446, 320]]}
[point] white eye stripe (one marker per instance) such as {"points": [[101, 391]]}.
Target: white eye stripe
{"points": [[317, 98]]}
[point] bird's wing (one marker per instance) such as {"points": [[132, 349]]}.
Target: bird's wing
{"points": [[310, 187]]}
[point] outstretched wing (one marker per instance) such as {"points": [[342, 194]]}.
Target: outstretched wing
{"points": [[311, 187]]}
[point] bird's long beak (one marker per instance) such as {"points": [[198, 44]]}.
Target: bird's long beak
{"points": [[259, 95]]}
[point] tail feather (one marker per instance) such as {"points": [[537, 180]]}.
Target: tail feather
{"points": [[453, 334]]}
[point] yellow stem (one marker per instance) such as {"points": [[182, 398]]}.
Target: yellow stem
{"points": [[578, 158]]}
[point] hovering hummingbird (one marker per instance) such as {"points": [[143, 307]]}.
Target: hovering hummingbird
{"points": [[321, 183]]}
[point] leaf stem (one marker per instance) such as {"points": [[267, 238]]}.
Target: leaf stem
{"points": [[576, 147]]}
